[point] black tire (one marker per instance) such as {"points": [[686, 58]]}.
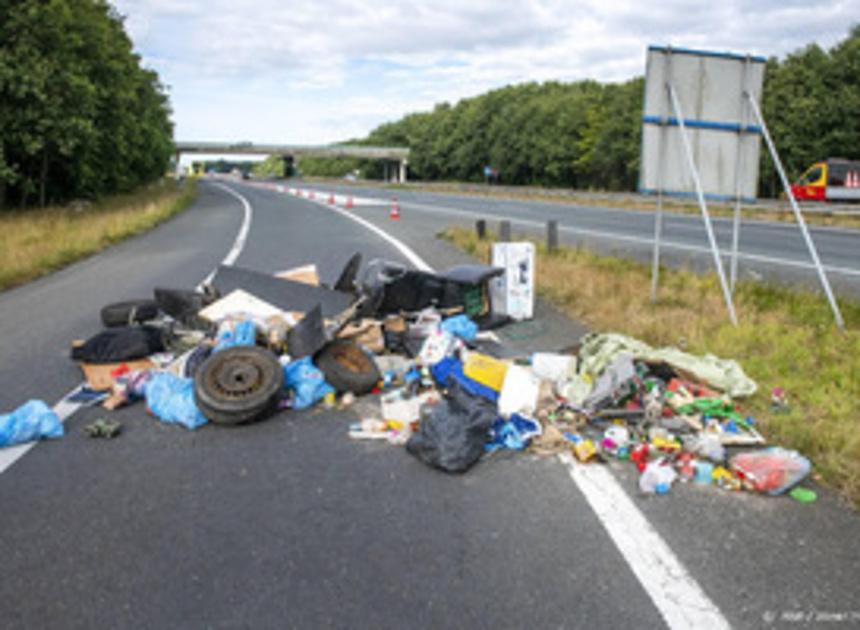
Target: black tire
{"points": [[238, 385], [348, 367], [129, 312]]}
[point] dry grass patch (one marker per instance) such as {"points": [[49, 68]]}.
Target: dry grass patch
{"points": [[786, 338], [36, 242]]}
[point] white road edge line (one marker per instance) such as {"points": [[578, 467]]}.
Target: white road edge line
{"points": [[673, 590], [64, 409], [676, 594], [611, 236]]}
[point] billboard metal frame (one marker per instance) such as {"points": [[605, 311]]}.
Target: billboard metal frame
{"points": [[669, 114]]}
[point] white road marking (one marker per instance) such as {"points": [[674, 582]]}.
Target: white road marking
{"points": [[65, 409], [673, 590], [241, 237], [676, 594]]}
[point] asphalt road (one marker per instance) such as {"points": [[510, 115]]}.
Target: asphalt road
{"points": [[771, 250], [289, 523]]}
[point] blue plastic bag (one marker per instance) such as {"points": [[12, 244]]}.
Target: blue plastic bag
{"points": [[307, 381], [460, 326], [243, 333], [514, 433], [171, 399], [31, 421]]}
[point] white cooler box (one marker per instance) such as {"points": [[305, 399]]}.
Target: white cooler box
{"points": [[512, 293]]}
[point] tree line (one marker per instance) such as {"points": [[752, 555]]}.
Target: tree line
{"points": [[588, 134], [79, 116]]}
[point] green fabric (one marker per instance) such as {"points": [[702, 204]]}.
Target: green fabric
{"points": [[713, 407], [600, 349]]}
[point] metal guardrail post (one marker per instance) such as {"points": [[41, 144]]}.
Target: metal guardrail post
{"points": [[551, 236], [813, 252], [700, 193], [481, 228], [505, 231]]}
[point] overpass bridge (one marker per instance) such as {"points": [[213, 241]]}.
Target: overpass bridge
{"points": [[394, 159]]}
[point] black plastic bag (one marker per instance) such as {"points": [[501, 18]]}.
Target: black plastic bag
{"points": [[124, 343], [453, 435]]}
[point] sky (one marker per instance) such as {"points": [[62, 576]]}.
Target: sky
{"points": [[321, 71]]}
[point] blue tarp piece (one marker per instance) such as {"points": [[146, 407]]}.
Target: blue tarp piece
{"points": [[171, 399], [33, 420], [514, 433], [307, 381]]}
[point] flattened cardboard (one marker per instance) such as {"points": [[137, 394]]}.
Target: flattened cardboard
{"points": [[99, 377], [287, 295], [306, 274]]}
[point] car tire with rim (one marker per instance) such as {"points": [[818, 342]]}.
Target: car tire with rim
{"points": [[239, 385]]}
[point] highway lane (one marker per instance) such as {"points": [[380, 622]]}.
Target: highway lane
{"points": [[772, 250], [283, 523], [289, 523]]}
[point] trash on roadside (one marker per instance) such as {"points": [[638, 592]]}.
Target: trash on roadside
{"points": [[33, 420], [348, 367], [87, 396], [171, 399], [306, 382], [771, 471], [803, 495], [102, 428], [453, 435], [486, 370], [239, 384], [306, 274], [412, 355], [520, 391], [460, 326], [119, 344], [515, 433]]}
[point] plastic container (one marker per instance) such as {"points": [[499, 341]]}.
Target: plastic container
{"points": [[704, 473], [657, 478], [486, 370]]}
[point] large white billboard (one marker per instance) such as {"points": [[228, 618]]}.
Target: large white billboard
{"points": [[725, 141]]}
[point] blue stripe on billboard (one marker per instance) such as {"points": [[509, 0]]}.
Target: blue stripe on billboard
{"points": [[707, 53], [702, 124]]}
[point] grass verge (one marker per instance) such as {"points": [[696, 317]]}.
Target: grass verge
{"points": [[38, 241], [786, 338]]}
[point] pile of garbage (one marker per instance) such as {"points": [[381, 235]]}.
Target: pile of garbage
{"points": [[250, 345]]}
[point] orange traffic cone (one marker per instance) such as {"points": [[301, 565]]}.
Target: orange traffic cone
{"points": [[331, 199], [349, 202], [394, 215]]}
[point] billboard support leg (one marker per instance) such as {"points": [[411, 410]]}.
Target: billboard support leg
{"points": [[658, 218], [736, 230], [688, 152], [739, 162], [658, 231], [813, 252]]}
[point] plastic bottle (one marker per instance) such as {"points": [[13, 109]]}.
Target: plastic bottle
{"points": [[657, 478]]}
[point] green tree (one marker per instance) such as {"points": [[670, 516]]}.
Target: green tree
{"points": [[79, 116]]}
